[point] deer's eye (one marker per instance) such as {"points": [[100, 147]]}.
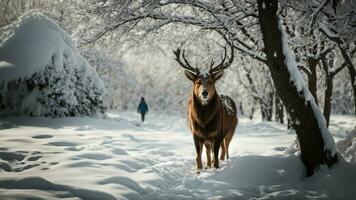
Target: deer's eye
{"points": [[210, 82], [199, 82]]}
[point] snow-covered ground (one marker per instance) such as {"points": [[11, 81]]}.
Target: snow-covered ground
{"points": [[118, 158]]}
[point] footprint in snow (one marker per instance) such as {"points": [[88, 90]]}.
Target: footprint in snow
{"points": [[62, 144], [119, 151], [74, 148], [43, 136], [131, 137], [124, 181], [34, 158], [12, 156], [84, 128], [95, 156]]}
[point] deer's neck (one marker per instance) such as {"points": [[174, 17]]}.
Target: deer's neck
{"points": [[203, 114]]}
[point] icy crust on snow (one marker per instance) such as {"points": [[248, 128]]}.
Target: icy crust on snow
{"points": [[41, 74], [297, 79]]}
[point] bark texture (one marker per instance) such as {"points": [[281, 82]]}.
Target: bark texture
{"points": [[309, 134]]}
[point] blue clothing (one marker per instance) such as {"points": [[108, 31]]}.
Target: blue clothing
{"points": [[142, 107]]}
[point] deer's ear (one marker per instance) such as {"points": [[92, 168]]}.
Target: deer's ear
{"points": [[191, 76], [218, 75]]}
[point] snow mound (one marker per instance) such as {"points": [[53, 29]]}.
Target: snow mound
{"points": [[41, 74], [347, 146]]}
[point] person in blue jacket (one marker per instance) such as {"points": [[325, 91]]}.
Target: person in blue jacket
{"points": [[142, 108]]}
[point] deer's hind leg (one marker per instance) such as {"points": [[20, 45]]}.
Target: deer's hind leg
{"points": [[223, 150], [227, 141]]}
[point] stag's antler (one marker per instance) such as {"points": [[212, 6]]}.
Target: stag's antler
{"points": [[223, 65], [186, 64]]}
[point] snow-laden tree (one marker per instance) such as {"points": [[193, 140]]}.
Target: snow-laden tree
{"points": [[335, 20], [313, 46], [256, 31], [49, 78]]}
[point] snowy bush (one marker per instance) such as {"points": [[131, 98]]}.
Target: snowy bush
{"points": [[41, 74], [347, 146]]}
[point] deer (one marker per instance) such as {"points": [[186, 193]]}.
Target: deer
{"points": [[212, 117]]}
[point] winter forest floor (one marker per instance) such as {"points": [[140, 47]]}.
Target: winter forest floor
{"points": [[118, 158]]}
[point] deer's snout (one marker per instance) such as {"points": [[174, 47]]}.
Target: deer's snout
{"points": [[204, 94]]}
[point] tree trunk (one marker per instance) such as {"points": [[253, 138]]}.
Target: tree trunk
{"points": [[289, 122], [327, 98], [352, 72], [329, 76], [241, 109], [270, 106], [312, 79], [251, 113], [300, 109], [267, 108], [278, 110]]}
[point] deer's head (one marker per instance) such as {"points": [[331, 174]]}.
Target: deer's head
{"points": [[204, 81]]}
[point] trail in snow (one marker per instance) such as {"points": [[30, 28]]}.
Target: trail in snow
{"points": [[118, 158]]}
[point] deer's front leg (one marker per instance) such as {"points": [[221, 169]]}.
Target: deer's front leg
{"points": [[217, 145], [198, 142], [208, 147]]}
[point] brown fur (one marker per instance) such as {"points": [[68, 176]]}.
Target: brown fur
{"points": [[211, 125]]}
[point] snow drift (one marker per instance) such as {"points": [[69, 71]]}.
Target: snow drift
{"points": [[119, 158], [41, 74]]}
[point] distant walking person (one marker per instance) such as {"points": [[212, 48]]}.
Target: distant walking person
{"points": [[142, 108]]}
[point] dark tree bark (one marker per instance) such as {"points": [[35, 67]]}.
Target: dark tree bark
{"points": [[267, 107], [312, 79], [289, 122], [329, 77], [252, 112], [278, 110], [352, 72], [299, 108], [327, 98], [241, 109]]}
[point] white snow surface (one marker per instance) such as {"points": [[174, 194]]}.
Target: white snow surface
{"points": [[29, 44], [120, 158], [297, 79]]}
